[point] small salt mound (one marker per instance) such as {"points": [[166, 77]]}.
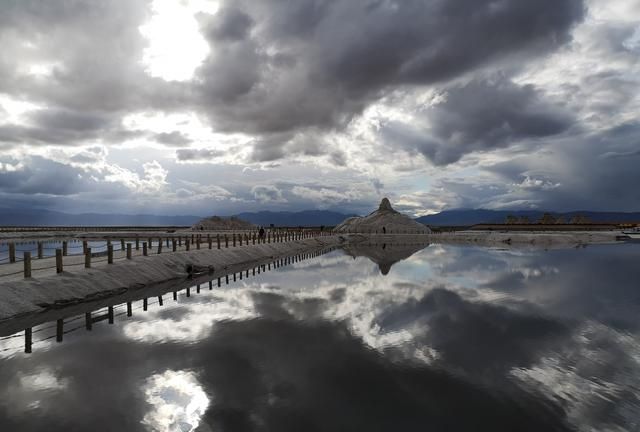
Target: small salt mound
{"points": [[217, 223]]}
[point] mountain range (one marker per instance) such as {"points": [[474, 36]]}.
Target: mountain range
{"points": [[461, 217], [467, 217], [41, 217]]}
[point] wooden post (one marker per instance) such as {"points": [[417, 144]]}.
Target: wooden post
{"points": [[189, 292], [198, 288], [219, 282], [174, 245], [226, 279], [84, 247], [27, 264], [167, 241], [209, 241], [110, 254], [122, 246], [65, 248], [160, 300], [129, 309], [59, 330], [40, 250], [187, 245], [175, 295], [144, 249], [128, 251], [28, 340], [210, 285], [159, 246], [87, 258], [137, 242], [254, 271], [198, 243], [59, 267], [226, 241], [150, 243], [110, 309], [145, 304], [234, 239], [12, 252], [218, 240]]}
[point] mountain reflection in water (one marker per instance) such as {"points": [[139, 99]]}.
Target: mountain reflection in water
{"points": [[452, 338]]}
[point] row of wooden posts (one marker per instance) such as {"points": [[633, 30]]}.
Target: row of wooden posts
{"points": [[91, 319], [173, 242]]}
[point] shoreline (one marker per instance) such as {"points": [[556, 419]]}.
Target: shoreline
{"points": [[536, 239]]}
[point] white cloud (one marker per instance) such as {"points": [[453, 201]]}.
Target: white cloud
{"points": [[268, 194]]}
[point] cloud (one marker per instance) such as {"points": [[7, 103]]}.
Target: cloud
{"points": [[198, 155], [267, 194], [445, 103], [479, 116], [276, 69], [42, 176], [575, 175], [173, 139], [319, 63], [324, 195]]}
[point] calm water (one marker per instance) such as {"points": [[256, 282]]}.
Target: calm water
{"points": [[450, 339]]}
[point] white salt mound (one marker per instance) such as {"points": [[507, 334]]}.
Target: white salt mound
{"points": [[385, 220]]}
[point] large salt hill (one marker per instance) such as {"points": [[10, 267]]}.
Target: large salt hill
{"points": [[385, 220]]}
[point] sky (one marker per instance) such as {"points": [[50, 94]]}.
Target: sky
{"points": [[218, 107]]}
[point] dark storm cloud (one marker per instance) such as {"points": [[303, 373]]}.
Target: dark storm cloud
{"points": [[66, 127], [94, 50], [42, 176], [585, 169], [230, 24], [274, 66], [317, 63], [480, 115]]}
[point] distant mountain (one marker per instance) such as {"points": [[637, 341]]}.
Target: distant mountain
{"points": [[304, 218], [39, 217], [466, 217]]}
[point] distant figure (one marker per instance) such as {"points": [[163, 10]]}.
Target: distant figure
{"points": [[261, 233], [384, 230]]}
